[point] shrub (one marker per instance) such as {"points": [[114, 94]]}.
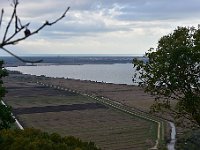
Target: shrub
{"points": [[34, 139]]}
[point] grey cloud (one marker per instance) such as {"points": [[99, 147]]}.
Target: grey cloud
{"points": [[72, 28], [146, 9], [129, 11], [160, 10]]}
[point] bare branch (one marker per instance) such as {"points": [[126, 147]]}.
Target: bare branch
{"points": [[1, 17], [37, 30], [20, 23], [18, 28], [16, 22], [18, 31], [19, 58], [11, 19]]}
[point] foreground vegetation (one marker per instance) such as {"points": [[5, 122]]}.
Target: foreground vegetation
{"points": [[6, 118], [33, 139], [189, 141]]}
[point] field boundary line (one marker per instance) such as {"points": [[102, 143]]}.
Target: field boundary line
{"points": [[118, 106], [122, 108]]}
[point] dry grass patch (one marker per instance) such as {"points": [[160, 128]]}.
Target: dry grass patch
{"points": [[109, 129]]}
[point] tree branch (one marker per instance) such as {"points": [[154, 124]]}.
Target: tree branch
{"points": [[18, 28], [1, 17], [37, 30], [11, 19], [21, 59], [17, 31]]}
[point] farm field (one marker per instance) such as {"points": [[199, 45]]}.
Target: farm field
{"points": [[80, 116], [129, 95]]}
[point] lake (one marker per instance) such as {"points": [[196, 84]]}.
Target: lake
{"points": [[109, 73]]}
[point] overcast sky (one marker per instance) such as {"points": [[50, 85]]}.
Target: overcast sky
{"points": [[101, 26]]}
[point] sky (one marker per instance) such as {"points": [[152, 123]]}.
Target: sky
{"points": [[128, 27]]}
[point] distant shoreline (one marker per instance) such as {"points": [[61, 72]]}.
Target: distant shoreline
{"points": [[71, 60]]}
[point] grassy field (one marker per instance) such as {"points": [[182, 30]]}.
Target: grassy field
{"points": [[127, 94], [108, 128]]}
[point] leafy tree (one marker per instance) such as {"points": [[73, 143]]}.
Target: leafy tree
{"points": [[6, 118], [33, 139], [14, 32], [172, 73]]}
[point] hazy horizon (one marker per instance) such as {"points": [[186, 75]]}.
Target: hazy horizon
{"points": [[60, 55]]}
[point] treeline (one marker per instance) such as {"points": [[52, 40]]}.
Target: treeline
{"points": [[64, 60], [34, 139]]}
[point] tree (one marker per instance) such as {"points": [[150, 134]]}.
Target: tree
{"points": [[172, 73], [14, 32], [6, 118]]}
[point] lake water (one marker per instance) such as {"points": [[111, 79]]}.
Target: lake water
{"points": [[109, 73]]}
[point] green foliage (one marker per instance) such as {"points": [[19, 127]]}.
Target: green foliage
{"points": [[5, 112], [189, 141], [172, 72], [5, 117], [33, 139]]}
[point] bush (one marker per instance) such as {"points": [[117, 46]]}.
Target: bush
{"points": [[33, 139], [189, 141]]}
